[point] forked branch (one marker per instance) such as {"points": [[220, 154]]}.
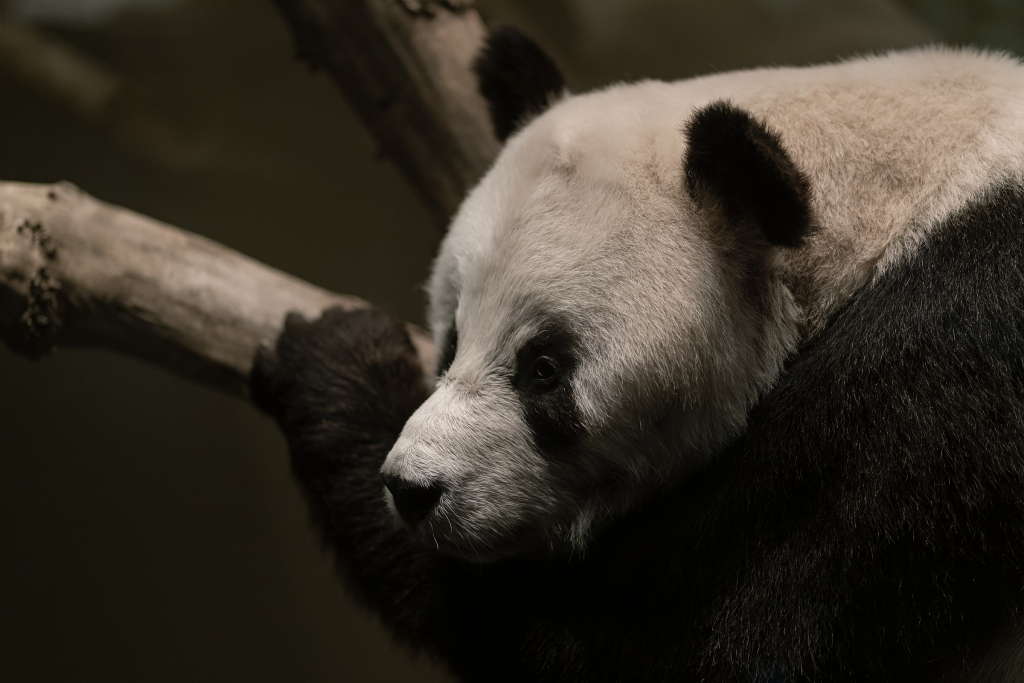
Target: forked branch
{"points": [[78, 271]]}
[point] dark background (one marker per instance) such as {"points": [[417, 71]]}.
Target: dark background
{"points": [[149, 528]]}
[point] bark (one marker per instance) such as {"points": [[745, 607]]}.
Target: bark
{"points": [[406, 67], [77, 271]]}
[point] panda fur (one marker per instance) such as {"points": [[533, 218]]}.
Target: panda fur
{"points": [[835, 490]]}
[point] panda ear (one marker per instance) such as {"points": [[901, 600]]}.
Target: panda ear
{"points": [[739, 165], [517, 79]]}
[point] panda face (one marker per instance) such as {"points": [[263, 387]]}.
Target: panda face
{"points": [[599, 340]]}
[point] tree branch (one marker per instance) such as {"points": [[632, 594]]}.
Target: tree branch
{"points": [[405, 66], [77, 271]]}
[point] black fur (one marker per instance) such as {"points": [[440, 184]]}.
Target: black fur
{"points": [[517, 79], [548, 402], [868, 527], [342, 388], [451, 346], [740, 166]]}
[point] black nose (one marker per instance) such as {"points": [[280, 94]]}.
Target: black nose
{"points": [[414, 501]]}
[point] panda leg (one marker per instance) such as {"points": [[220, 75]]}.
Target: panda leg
{"points": [[341, 388]]}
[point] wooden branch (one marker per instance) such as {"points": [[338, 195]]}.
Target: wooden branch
{"points": [[405, 66], [77, 271]]}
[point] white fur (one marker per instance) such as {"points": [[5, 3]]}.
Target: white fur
{"points": [[585, 216]]}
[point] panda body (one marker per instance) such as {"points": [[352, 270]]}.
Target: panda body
{"points": [[764, 420], [678, 316]]}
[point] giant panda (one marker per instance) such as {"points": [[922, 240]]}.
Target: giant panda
{"points": [[730, 385]]}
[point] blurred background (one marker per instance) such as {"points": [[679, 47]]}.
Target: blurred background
{"points": [[149, 528]]}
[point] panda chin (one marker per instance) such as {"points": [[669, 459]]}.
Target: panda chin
{"points": [[477, 555], [436, 534], [486, 541]]}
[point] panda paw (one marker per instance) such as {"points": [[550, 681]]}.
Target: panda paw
{"points": [[347, 375]]}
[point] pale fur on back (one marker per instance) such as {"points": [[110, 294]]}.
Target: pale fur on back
{"points": [[891, 144]]}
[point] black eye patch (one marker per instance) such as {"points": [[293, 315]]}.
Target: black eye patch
{"points": [[543, 380], [451, 346]]}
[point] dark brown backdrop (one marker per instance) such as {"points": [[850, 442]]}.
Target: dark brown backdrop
{"points": [[149, 528]]}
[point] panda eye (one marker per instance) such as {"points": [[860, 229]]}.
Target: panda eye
{"points": [[546, 362], [544, 368]]}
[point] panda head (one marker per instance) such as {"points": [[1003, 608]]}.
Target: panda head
{"points": [[606, 304]]}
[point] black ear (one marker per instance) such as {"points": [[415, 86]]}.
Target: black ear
{"points": [[517, 79], [739, 163]]}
